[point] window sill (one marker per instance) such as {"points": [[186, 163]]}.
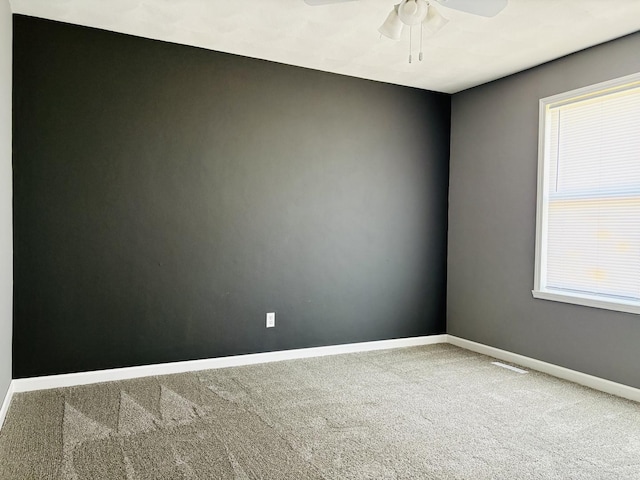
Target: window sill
{"points": [[626, 306]]}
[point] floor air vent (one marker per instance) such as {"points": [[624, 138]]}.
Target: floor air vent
{"points": [[509, 367]]}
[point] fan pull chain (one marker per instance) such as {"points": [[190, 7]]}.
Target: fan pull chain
{"points": [[410, 36], [421, 35]]}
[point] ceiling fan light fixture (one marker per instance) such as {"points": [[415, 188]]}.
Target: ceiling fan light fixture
{"points": [[434, 21], [422, 12], [392, 26], [413, 12]]}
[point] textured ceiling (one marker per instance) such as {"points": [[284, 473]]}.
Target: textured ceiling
{"points": [[343, 37]]}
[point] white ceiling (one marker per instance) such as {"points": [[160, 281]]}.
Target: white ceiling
{"points": [[343, 37]]}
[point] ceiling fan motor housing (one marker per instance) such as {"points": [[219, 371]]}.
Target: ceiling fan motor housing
{"points": [[413, 12]]}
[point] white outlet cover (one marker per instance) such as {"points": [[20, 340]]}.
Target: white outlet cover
{"points": [[271, 319]]}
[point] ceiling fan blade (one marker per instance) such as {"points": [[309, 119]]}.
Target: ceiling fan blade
{"points": [[484, 8]]}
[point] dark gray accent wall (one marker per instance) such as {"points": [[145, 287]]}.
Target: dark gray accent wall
{"points": [[167, 197], [6, 248], [494, 157]]}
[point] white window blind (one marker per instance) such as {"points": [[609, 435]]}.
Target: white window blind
{"points": [[589, 210]]}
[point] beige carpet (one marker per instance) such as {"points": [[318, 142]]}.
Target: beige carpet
{"points": [[435, 412]]}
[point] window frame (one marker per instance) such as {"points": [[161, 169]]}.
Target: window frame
{"points": [[544, 129]]}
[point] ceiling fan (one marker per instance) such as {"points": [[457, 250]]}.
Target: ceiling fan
{"points": [[413, 13]]}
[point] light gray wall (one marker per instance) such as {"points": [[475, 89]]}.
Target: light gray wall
{"points": [[492, 202], [6, 242]]}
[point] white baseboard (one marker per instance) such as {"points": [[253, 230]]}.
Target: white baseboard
{"points": [[5, 403], [596, 383], [85, 378]]}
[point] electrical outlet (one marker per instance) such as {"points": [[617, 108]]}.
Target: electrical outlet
{"points": [[271, 319]]}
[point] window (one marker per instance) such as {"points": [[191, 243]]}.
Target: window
{"points": [[588, 218]]}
